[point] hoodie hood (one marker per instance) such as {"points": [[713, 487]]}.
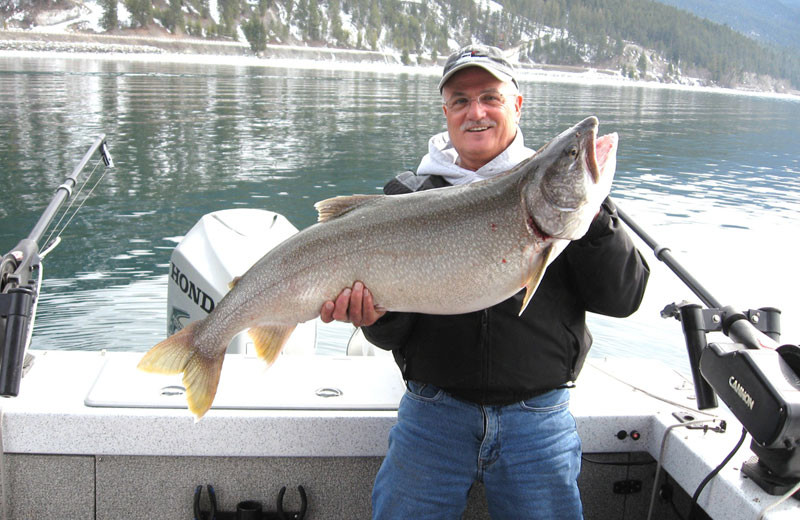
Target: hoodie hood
{"points": [[441, 160]]}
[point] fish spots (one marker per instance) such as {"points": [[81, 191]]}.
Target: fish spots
{"points": [[504, 261], [493, 226]]}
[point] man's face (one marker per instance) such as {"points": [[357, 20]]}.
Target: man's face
{"points": [[480, 131]]}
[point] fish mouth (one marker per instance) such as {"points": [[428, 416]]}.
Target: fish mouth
{"points": [[599, 150], [599, 157]]}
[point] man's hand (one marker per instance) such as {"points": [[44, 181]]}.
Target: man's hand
{"points": [[352, 305]]}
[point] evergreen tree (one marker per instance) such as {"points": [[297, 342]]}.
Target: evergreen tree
{"points": [[176, 13], [263, 6], [256, 34], [337, 31], [315, 21], [374, 19], [642, 65], [372, 38], [228, 10], [300, 17], [109, 21], [172, 17], [141, 12]]}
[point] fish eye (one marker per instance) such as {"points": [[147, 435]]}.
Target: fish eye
{"points": [[573, 151]]}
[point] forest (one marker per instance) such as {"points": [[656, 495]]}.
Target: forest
{"points": [[562, 32]]}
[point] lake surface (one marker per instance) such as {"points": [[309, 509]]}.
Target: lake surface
{"points": [[715, 177]]}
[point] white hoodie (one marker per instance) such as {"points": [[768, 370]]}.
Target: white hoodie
{"points": [[441, 160]]}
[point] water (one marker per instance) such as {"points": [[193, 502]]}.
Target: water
{"points": [[712, 176]]}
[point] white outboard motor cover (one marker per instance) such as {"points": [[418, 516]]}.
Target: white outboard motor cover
{"points": [[221, 246]]}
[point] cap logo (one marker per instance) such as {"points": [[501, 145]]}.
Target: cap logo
{"points": [[489, 58], [471, 54]]}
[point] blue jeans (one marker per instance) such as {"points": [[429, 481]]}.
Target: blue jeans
{"points": [[527, 455]]}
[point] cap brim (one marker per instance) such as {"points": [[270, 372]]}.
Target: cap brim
{"points": [[502, 76]]}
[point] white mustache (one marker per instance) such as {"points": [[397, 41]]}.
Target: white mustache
{"points": [[467, 125]]}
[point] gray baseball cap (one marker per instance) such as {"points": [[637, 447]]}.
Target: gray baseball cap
{"points": [[488, 58]]}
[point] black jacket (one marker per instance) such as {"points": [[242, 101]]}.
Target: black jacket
{"points": [[494, 356]]}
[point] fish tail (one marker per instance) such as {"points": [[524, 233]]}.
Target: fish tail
{"points": [[178, 353], [269, 340]]}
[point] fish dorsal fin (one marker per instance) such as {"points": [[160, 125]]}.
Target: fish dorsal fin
{"points": [[233, 282], [337, 206]]}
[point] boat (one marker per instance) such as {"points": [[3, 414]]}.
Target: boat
{"points": [[86, 435]]}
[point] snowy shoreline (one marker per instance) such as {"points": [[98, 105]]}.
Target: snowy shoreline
{"points": [[77, 34], [151, 50]]}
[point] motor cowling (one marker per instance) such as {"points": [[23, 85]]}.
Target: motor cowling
{"points": [[221, 246]]}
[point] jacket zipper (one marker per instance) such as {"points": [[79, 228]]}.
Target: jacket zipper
{"points": [[485, 354]]}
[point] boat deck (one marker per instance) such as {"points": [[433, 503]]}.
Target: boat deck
{"points": [[64, 459]]}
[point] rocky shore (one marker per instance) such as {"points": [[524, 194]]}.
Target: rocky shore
{"points": [[150, 44]]}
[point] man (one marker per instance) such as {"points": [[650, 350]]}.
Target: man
{"points": [[488, 394]]}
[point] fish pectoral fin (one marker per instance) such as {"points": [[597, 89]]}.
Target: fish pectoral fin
{"points": [[538, 266], [177, 354], [337, 206], [269, 340]]}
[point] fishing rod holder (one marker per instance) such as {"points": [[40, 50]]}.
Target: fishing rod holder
{"points": [[759, 384], [757, 379], [18, 293], [20, 273], [248, 509], [697, 322], [754, 375], [16, 315]]}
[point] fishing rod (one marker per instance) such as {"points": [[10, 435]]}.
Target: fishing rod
{"points": [[755, 329], [756, 377], [663, 254], [20, 279]]}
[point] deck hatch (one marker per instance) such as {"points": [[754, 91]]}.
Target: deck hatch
{"points": [[294, 382]]}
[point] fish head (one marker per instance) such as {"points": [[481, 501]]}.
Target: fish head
{"points": [[570, 178]]}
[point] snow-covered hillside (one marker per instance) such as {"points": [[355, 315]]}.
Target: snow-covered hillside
{"points": [[431, 29]]}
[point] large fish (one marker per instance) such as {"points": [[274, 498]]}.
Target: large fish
{"points": [[446, 251]]}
